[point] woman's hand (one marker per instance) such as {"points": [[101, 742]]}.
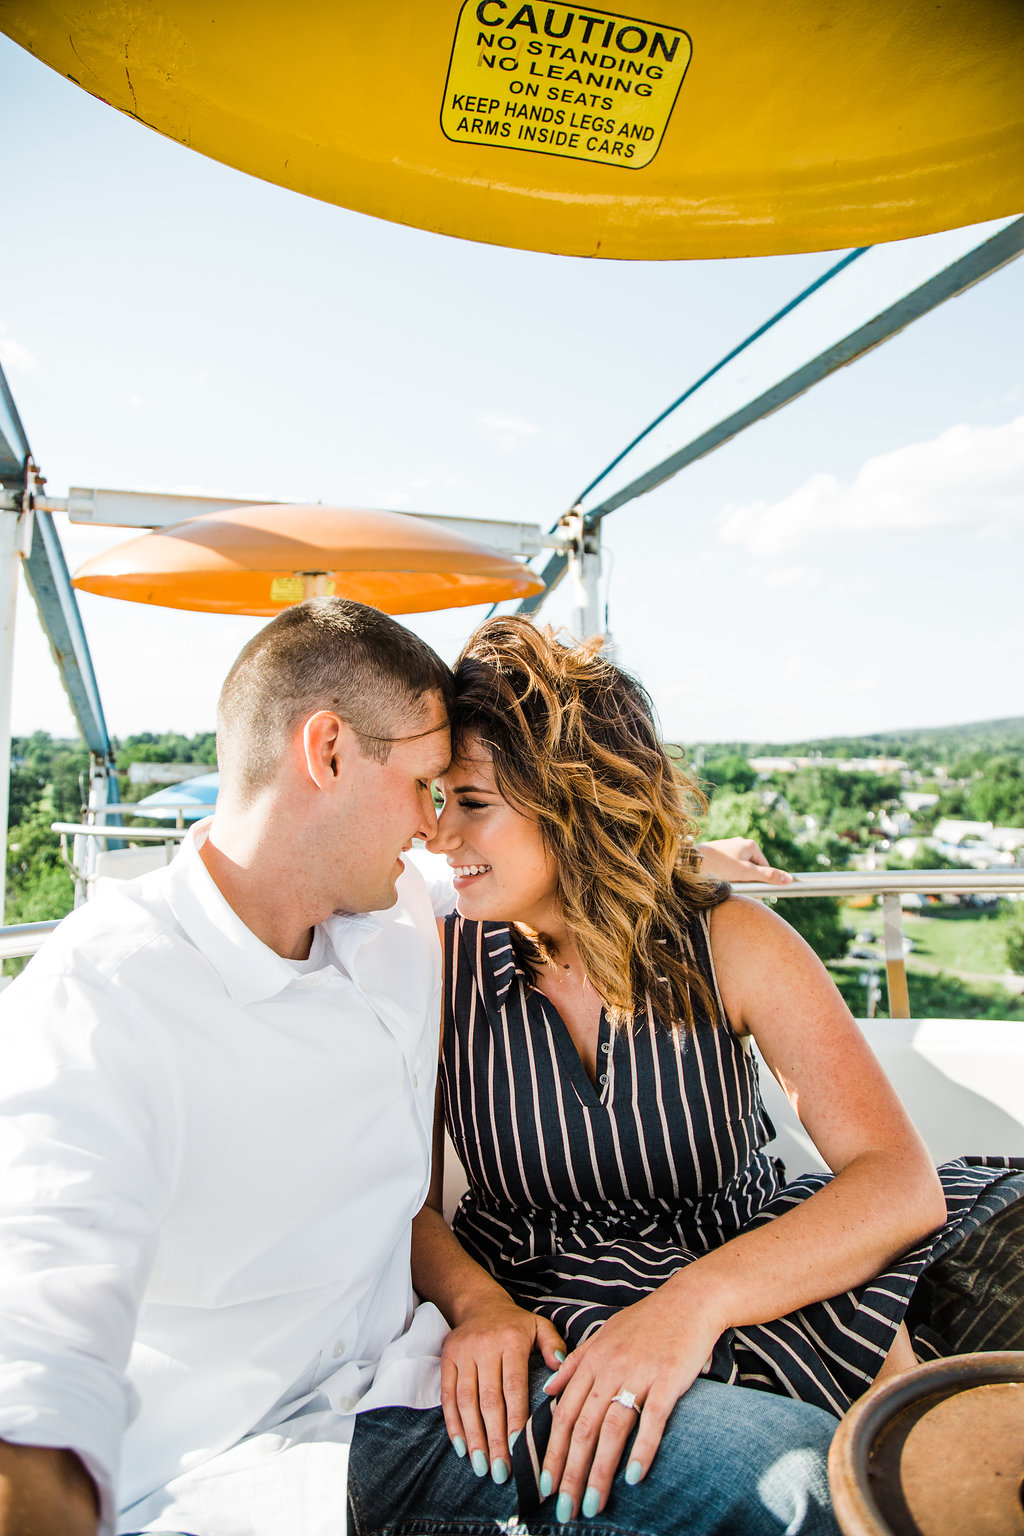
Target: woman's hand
{"points": [[485, 1367], [654, 1349], [737, 859]]}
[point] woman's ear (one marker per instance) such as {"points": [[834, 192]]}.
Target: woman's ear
{"points": [[324, 740]]}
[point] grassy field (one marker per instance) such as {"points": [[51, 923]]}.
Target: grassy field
{"points": [[947, 940], [954, 938]]}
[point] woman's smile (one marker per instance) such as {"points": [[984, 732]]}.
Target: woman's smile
{"points": [[466, 874], [502, 868]]}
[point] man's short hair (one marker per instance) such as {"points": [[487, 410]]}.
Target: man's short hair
{"points": [[326, 653]]}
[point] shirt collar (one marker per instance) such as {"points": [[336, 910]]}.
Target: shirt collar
{"points": [[498, 967], [249, 969]]}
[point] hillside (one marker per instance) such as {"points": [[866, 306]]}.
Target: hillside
{"points": [[927, 744]]}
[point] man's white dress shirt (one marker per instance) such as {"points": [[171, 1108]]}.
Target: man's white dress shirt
{"points": [[209, 1161]]}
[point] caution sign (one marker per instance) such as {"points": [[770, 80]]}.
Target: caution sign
{"points": [[556, 80]]}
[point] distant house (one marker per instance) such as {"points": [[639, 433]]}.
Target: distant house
{"points": [[915, 800], [948, 830], [778, 764], [164, 773], [1007, 838]]}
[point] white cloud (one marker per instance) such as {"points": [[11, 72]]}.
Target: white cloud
{"points": [[966, 475], [776, 576], [14, 355], [507, 431]]}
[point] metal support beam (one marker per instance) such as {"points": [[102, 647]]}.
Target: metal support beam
{"points": [[987, 257], [953, 280], [49, 582], [895, 967], [155, 509], [584, 565]]}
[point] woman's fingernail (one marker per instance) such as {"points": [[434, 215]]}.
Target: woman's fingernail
{"points": [[499, 1470], [513, 1437], [560, 1355], [550, 1380], [563, 1509], [479, 1461], [459, 1445], [591, 1503], [545, 1484], [634, 1472]]}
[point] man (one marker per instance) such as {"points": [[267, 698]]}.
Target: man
{"points": [[217, 1090]]}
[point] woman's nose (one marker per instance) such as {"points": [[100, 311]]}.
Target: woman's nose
{"points": [[446, 837]]}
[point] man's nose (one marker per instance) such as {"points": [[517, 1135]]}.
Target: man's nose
{"points": [[444, 832]]}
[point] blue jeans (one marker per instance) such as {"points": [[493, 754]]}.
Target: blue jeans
{"points": [[733, 1462]]}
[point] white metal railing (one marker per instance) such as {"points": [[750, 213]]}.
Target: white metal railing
{"points": [[888, 884], [119, 834], [24, 939]]}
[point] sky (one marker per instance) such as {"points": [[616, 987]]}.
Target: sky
{"points": [[851, 564]]}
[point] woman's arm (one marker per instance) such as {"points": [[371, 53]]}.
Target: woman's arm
{"points": [[884, 1197], [486, 1357]]}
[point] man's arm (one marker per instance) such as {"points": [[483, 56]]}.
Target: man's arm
{"points": [[87, 1116], [45, 1492]]}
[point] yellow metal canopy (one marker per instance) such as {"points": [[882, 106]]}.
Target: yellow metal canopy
{"points": [[686, 128], [259, 560]]}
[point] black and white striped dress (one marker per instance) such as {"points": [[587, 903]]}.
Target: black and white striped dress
{"points": [[584, 1197]]}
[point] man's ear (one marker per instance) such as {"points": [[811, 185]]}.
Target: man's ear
{"points": [[327, 742]]}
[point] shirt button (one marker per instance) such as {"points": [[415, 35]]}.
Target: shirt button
{"points": [[415, 1080], [339, 1349], [604, 1077], [306, 981], [347, 1404], [607, 1047]]}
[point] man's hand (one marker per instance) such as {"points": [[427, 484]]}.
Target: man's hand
{"points": [[45, 1492], [738, 859], [485, 1367]]}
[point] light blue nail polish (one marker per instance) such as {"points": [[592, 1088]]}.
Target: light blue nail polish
{"points": [[591, 1502], [563, 1509], [499, 1470], [545, 1485], [479, 1461], [513, 1437], [560, 1355], [459, 1445], [550, 1380], [634, 1472]]}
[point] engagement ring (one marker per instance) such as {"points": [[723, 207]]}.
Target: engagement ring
{"points": [[627, 1399]]}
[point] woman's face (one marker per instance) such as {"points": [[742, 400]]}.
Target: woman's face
{"points": [[503, 870]]}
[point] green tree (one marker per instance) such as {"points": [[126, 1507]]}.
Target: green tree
{"points": [[729, 772], [816, 918], [39, 885], [1014, 922], [998, 793], [24, 794]]}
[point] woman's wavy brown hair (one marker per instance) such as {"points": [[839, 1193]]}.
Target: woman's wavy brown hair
{"points": [[575, 747]]}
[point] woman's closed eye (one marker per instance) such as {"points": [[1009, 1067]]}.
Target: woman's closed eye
{"points": [[471, 805]]}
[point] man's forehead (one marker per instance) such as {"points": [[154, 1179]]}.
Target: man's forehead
{"points": [[432, 718]]}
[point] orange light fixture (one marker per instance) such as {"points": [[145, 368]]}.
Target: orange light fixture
{"points": [[259, 560]]}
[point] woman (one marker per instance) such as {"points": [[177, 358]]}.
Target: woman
{"points": [[601, 995]]}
